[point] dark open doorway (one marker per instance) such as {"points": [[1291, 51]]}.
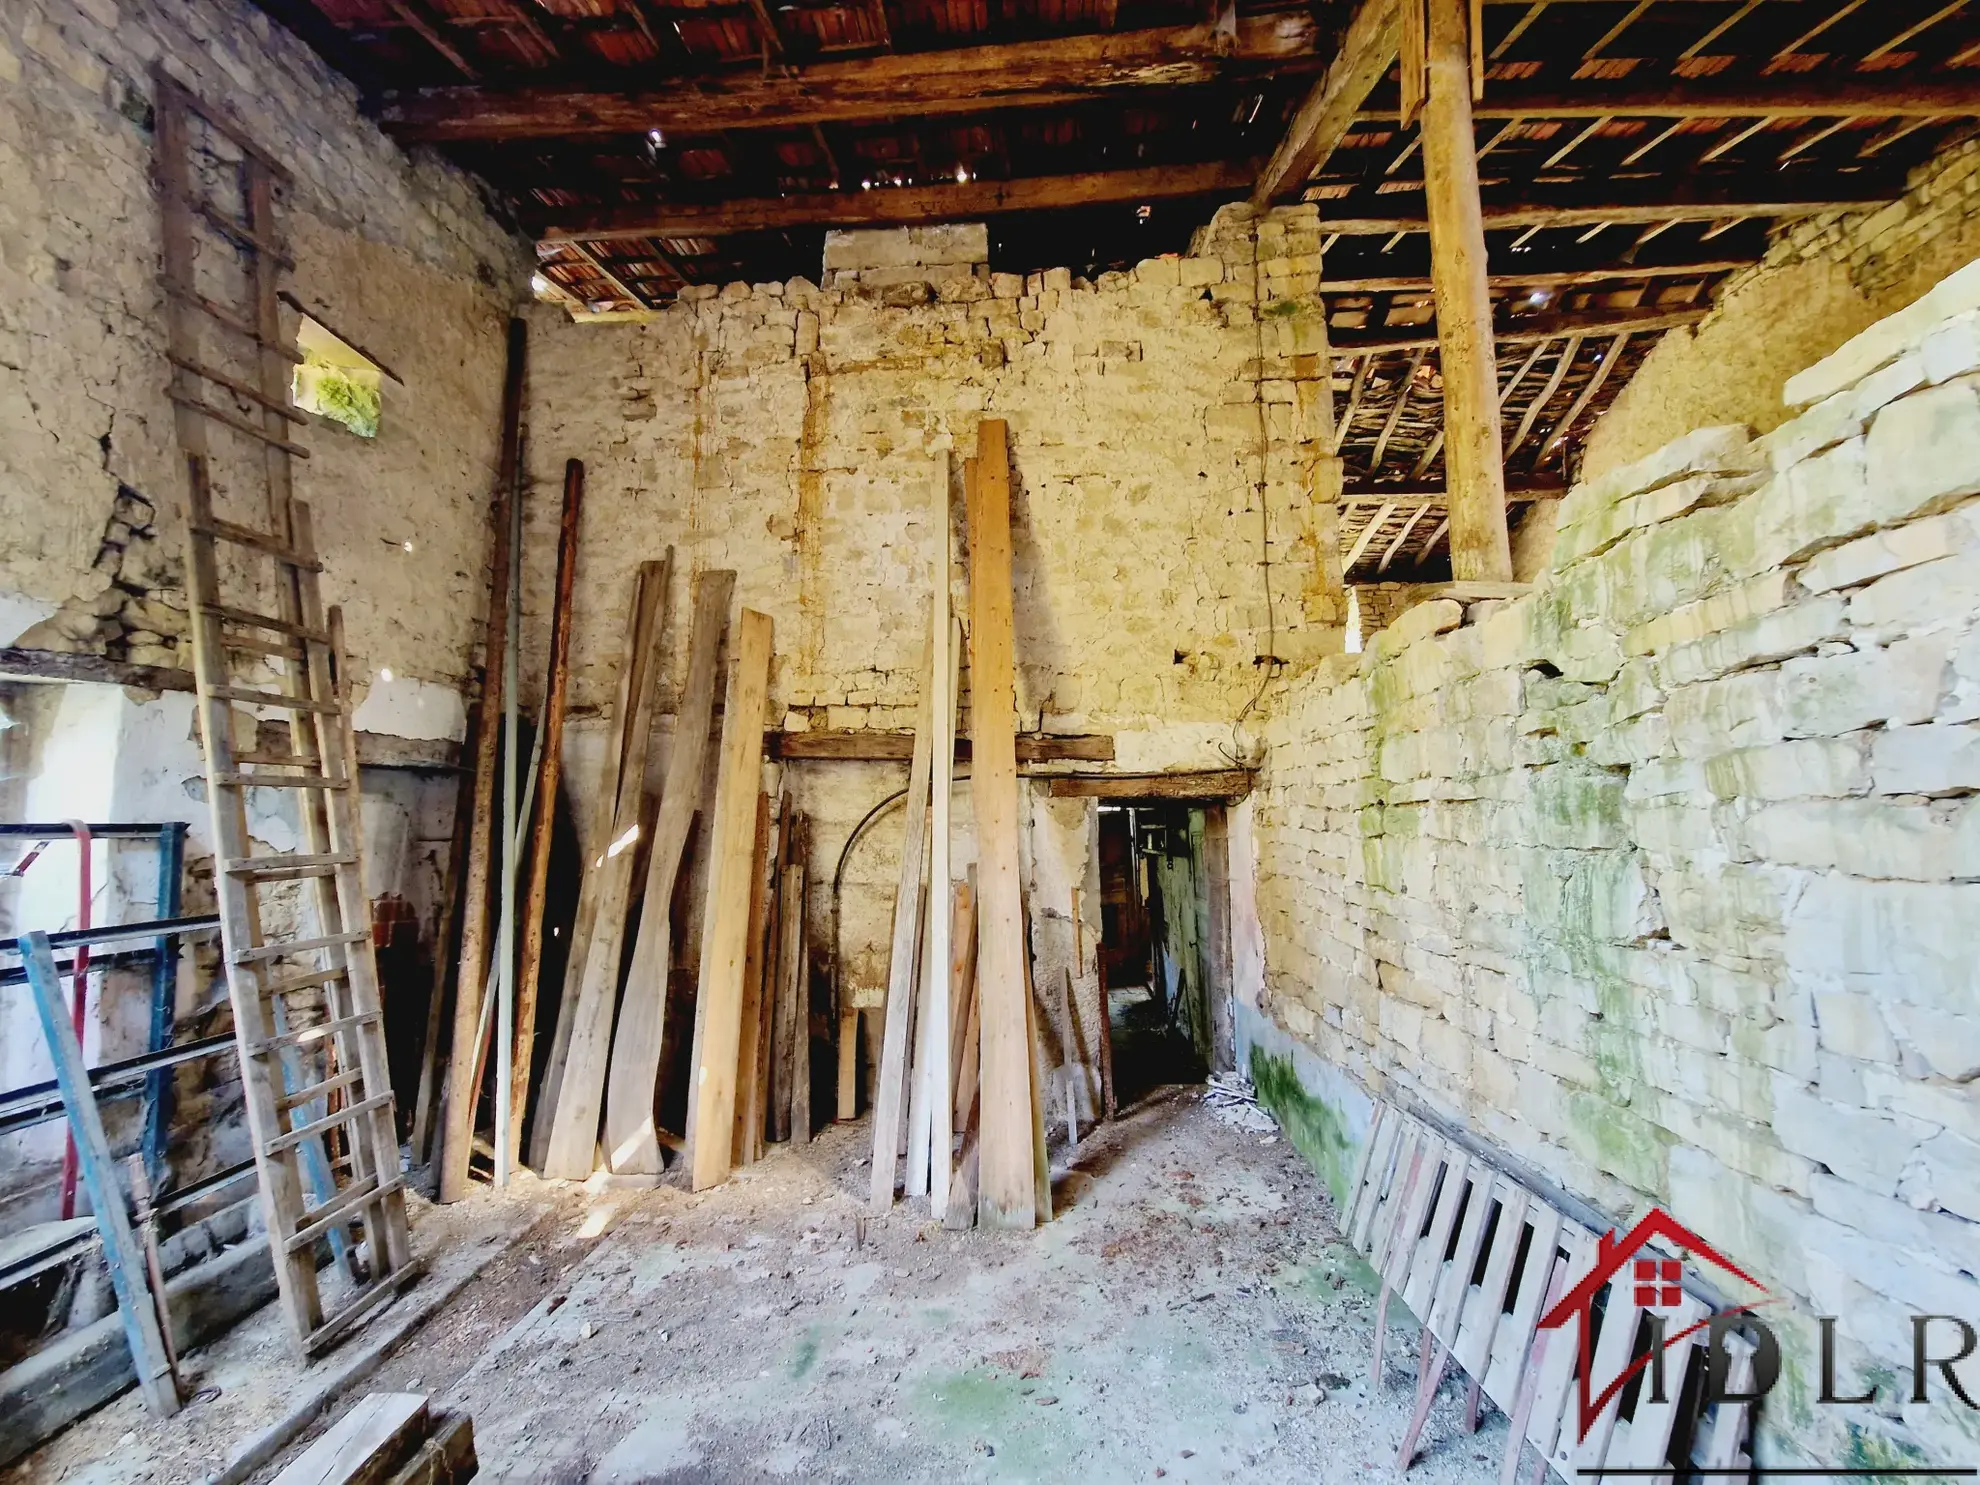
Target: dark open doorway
{"points": [[1164, 942]]}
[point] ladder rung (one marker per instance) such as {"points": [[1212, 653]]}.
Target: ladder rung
{"points": [[239, 425], [298, 946], [265, 541], [337, 1211], [276, 781], [227, 318], [329, 1121], [295, 983], [377, 1294], [277, 760], [305, 1035], [239, 231], [250, 619], [317, 1090], [238, 387], [273, 866], [242, 645], [272, 698]]}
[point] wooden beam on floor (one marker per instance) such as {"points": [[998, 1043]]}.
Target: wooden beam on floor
{"points": [[900, 206], [1345, 343], [1367, 50], [1780, 97], [925, 84], [861, 746], [1476, 475], [725, 936]]}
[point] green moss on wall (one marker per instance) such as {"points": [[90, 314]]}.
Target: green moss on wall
{"points": [[1314, 1129]]}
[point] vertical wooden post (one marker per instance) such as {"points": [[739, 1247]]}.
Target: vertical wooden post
{"points": [[458, 1130], [1474, 464], [555, 699], [1006, 1190], [725, 940]]}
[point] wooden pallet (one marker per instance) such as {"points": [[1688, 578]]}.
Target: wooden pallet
{"points": [[308, 999], [1479, 1257]]}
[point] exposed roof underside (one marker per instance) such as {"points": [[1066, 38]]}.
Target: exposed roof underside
{"points": [[1632, 153]]}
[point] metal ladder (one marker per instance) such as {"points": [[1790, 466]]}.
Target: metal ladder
{"points": [[304, 995]]}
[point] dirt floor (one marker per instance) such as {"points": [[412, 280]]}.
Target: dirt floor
{"points": [[1192, 1315]]}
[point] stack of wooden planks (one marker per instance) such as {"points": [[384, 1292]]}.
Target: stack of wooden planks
{"points": [[959, 1059], [388, 1438]]}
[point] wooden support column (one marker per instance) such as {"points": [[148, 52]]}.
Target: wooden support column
{"points": [[1479, 544]]}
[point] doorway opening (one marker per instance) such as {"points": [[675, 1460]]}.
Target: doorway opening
{"points": [[1164, 943]]}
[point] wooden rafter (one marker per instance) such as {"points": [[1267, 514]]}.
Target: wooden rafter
{"points": [[428, 27], [1545, 395], [1403, 392], [1883, 95], [1558, 438], [1536, 327], [1684, 201], [1064, 70], [1365, 54], [1571, 278]]}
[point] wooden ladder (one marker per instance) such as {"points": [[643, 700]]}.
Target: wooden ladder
{"points": [[306, 1006]]}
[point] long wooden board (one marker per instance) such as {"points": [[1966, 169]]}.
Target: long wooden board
{"points": [[749, 1095], [632, 1146], [603, 809], [889, 1097], [368, 1443], [725, 935], [574, 1125], [1006, 1188]]}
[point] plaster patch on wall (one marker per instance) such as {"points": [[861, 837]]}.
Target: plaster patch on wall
{"points": [[20, 613], [406, 706]]}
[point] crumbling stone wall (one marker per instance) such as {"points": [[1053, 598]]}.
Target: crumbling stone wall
{"points": [[396, 252], [1823, 280], [1666, 877], [792, 432]]}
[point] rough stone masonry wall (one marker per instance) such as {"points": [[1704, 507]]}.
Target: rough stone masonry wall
{"points": [[791, 431], [1821, 281], [1666, 877], [397, 253]]}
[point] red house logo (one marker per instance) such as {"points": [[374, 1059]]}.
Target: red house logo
{"points": [[1657, 1284]]}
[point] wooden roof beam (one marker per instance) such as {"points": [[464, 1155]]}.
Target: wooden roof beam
{"points": [[1569, 278], [1680, 201], [960, 80], [1366, 52], [904, 205]]}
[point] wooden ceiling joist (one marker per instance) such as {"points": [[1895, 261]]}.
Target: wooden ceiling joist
{"points": [[1407, 496], [975, 79], [1689, 202], [1780, 97], [1366, 53], [1526, 331], [1576, 278], [904, 205]]}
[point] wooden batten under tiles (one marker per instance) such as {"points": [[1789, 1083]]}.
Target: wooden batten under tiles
{"points": [[725, 934]]}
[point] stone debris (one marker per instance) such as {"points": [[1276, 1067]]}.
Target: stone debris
{"points": [[1235, 1101]]}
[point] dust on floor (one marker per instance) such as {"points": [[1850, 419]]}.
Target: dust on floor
{"points": [[1191, 1315]]}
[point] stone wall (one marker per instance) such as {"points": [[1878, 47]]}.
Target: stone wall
{"points": [[1822, 281], [793, 433], [396, 253], [1665, 878]]}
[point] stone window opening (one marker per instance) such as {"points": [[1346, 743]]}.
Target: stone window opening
{"points": [[336, 379]]}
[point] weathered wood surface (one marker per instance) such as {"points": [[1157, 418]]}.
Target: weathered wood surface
{"points": [[898, 747], [1367, 50], [379, 1432], [922, 84], [725, 936], [749, 1061], [632, 1145], [1223, 783], [574, 1122], [1006, 1189]]}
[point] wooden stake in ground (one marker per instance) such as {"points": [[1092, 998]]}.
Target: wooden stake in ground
{"points": [[555, 700], [574, 1125], [889, 1097], [458, 1131], [1480, 549], [604, 811], [725, 935], [797, 984], [1006, 1190], [632, 1145]]}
